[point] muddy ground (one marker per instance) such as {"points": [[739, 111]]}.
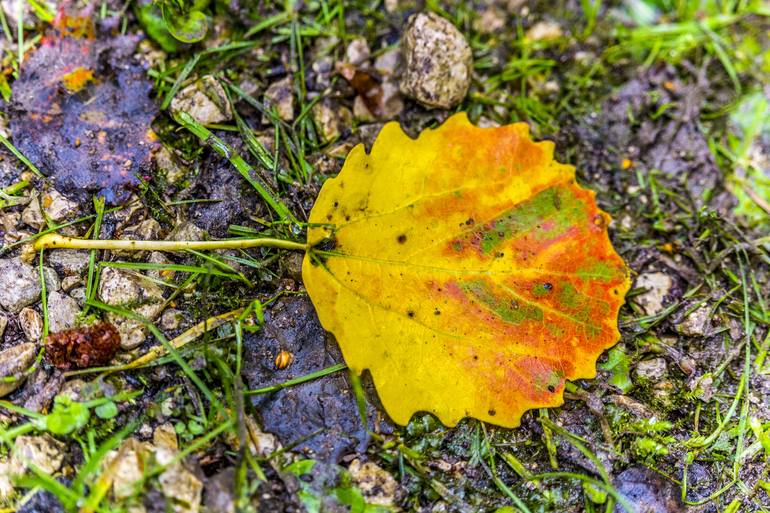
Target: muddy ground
{"points": [[662, 108]]}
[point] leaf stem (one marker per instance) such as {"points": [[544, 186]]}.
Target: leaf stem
{"points": [[54, 240]]}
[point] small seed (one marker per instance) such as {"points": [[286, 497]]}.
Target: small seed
{"points": [[283, 360]]}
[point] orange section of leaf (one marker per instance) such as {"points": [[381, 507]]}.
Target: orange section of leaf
{"points": [[466, 270], [76, 80]]}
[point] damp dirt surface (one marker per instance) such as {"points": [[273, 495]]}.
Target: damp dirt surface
{"points": [[676, 419]]}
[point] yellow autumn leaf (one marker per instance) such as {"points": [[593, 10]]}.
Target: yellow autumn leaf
{"points": [[466, 270]]}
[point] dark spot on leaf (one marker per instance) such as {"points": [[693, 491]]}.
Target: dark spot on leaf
{"points": [[551, 388], [410, 313], [401, 238], [492, 413]]}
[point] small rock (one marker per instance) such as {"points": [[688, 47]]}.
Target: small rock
{"points": [[490, 21], [165, 436], [205, 101], [11, 10], [292, 263], [31, 324], [79, 295], [43, 501], [177, 483], [158, 257], [167, 165], [330, 119], [9, 220], [652, 370], [219, 492], [279, 96], [387, 63], [70, 282], [127, 467], [14, 361], [186, 231], [648, 491], [544, 31], [52, 282], [19, 284], [361, 112], [697, 323], [260, 443], [3, 325], [56, 206], [76, 389], [358, 51], [6, 484], [377, 485], [62, 312], [32, 215], [117, 287], [67, 261], [658, 285], [438, 61], [145, 230], [171, 319], [44, 451]]}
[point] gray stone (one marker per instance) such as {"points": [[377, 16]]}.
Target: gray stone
{"points": [[14, 361], [79, 295], [31, 324], [652, 370], [544, 31], [438, 61], [32, 215], [358, 51], [62, 312], [657, 286], [68, 261], [52, 282], [44, 451], [697, 323], [167, 164], [171, 319], [117, 287], [376, 484], [280, 96], [19, 284], [186, 231], [144, 230], [205, 101], [330, 119], [647, 491], [70, 282], [56, 208]]}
